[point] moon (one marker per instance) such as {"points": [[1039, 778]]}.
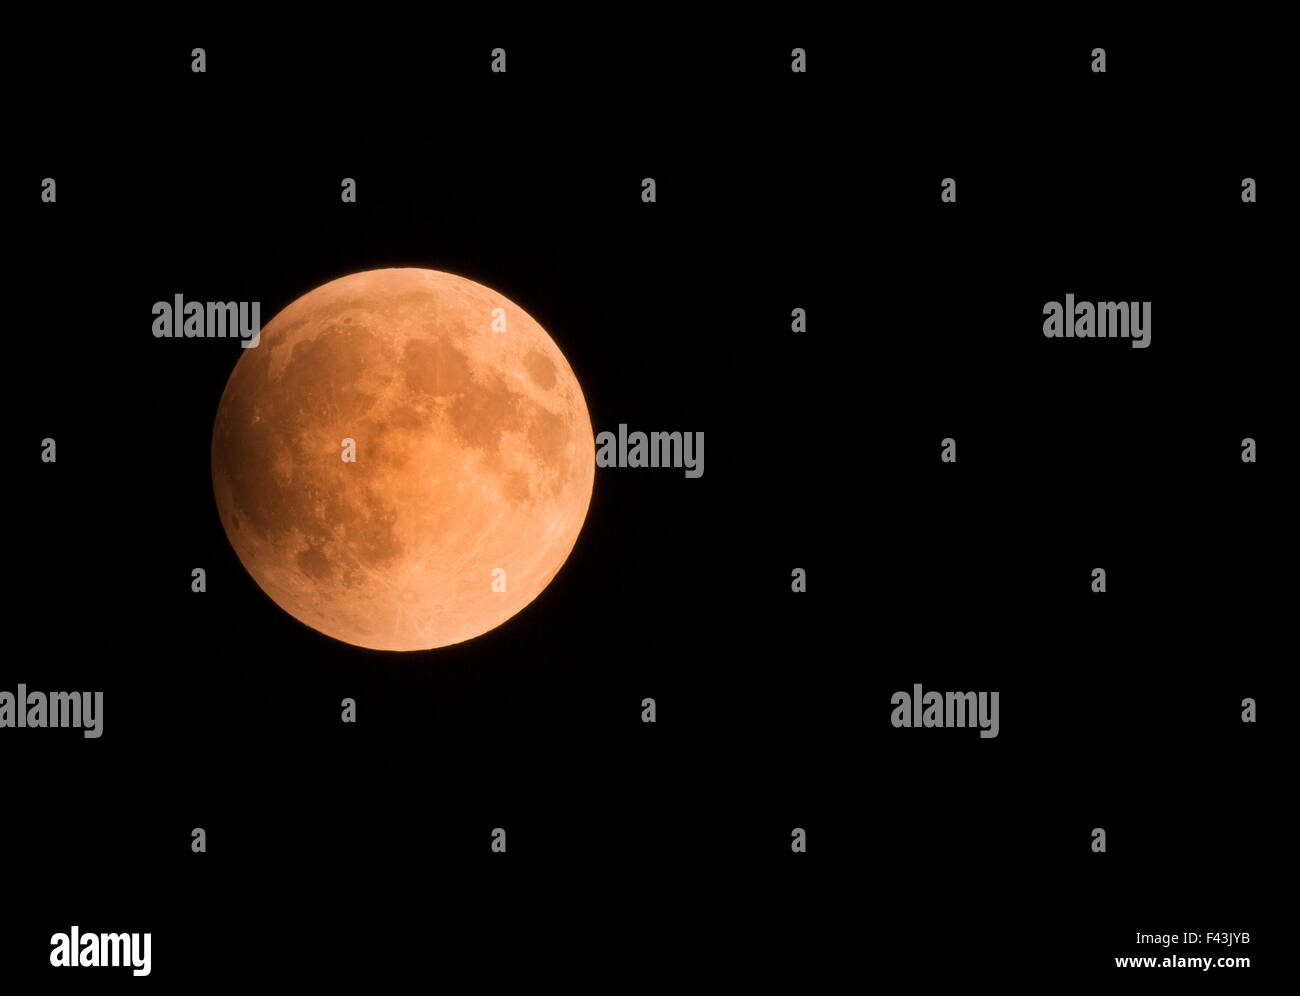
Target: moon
{"points": [[473, 459]]}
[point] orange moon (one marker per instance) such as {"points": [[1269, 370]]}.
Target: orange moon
{"points": [[474, 459]]}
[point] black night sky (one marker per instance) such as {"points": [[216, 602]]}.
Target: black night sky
{"points": [[654, 853]]}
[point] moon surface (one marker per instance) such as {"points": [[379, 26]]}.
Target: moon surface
{"points": [[474, 459]]}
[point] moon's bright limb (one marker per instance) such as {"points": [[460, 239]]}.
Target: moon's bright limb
{"points": [[474, 456]]}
